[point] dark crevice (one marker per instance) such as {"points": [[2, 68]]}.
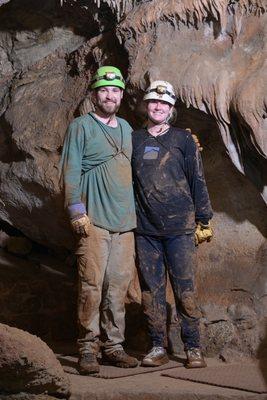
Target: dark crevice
{"points": [[254, 164], [8, 150], [9, 229], [84, 17], [39, 248], [221, 175]]}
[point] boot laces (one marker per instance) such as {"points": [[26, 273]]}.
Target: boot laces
{"points": [[194, 353], [90, 357], [155, 351]]}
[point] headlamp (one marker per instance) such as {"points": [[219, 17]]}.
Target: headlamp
{"points": [[110, 76], [161, 89]]}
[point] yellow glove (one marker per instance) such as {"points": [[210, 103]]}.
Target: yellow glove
{"points": [[81, 225], [200, 148], [203, 233]]}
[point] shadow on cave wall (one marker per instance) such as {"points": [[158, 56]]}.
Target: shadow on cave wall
{"points": [[253, 161], [262, 355], [38, 294], [8, 150], [30, 15], [230, 191]]}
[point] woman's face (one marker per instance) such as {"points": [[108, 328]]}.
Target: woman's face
{"points": [[158, 111]]}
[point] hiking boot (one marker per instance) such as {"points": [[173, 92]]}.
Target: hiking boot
{"points": [[195, 359], [156, 357], [88, 364], [121, 359]]}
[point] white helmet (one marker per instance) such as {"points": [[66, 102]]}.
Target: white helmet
{"points": [[161, 90]]}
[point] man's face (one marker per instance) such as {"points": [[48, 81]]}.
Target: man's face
{"points": [[108, 99]]}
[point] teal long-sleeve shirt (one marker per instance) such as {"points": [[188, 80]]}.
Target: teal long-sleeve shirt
{"points": [[96, 171]]}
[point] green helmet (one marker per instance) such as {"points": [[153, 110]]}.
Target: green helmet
{"points": [[107, 76]]}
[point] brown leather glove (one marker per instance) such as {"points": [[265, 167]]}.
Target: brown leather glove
{"points": [[200, 148], [203, 233], [81, 225]]}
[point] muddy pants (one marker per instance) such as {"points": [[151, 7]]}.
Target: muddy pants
{"points": [[177, 254], [105, 265]]}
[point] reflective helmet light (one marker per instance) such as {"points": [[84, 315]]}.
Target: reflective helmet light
{"points": [[107, 76]]}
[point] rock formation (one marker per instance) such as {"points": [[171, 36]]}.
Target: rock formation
{"points": [[214, 53], [28, 365], [216, 58]]}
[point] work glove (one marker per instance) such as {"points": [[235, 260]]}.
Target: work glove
{"points": [[200, 148], [81, 225], [203, 233]]}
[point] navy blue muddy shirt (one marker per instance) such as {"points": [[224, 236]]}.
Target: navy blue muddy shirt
{"points": [[170, 189]]}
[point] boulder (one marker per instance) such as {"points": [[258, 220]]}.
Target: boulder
{"points": [[27, 364]]}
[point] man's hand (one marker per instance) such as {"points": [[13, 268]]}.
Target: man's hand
{"points": [[203, 233], [200, 148], [81, 225]]}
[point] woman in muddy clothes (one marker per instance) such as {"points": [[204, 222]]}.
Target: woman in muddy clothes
{"points": [[173, 213]]}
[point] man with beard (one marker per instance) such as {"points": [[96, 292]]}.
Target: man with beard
{"points": [[96, 166]]}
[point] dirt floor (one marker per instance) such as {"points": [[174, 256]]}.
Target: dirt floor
{"points": [[152, 386]]}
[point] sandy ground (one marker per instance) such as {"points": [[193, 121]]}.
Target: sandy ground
{"points": [[152, 386]]}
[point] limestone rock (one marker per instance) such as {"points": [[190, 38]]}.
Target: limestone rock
{"points": [[216, 337], [243, 316], [231, 354], [3, 239], [27, 364], [19, 245], [210, 46], [213, 313], [38, 295]]}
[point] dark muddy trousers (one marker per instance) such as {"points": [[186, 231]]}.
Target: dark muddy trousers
{"points": [[178, 255]]}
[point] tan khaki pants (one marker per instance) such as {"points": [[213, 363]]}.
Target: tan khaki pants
{"points": [[106, 266]]}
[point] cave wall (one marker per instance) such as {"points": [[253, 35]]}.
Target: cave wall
{"points": [[44, 77], [47, 56], [216, 60]]}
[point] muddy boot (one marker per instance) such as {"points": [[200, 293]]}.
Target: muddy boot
{"points": [[156, 357], [88, 364], [121, 359], [195, 359]]}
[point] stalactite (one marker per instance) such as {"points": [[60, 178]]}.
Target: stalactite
{"points": [[144, 17], [139, 14]]}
